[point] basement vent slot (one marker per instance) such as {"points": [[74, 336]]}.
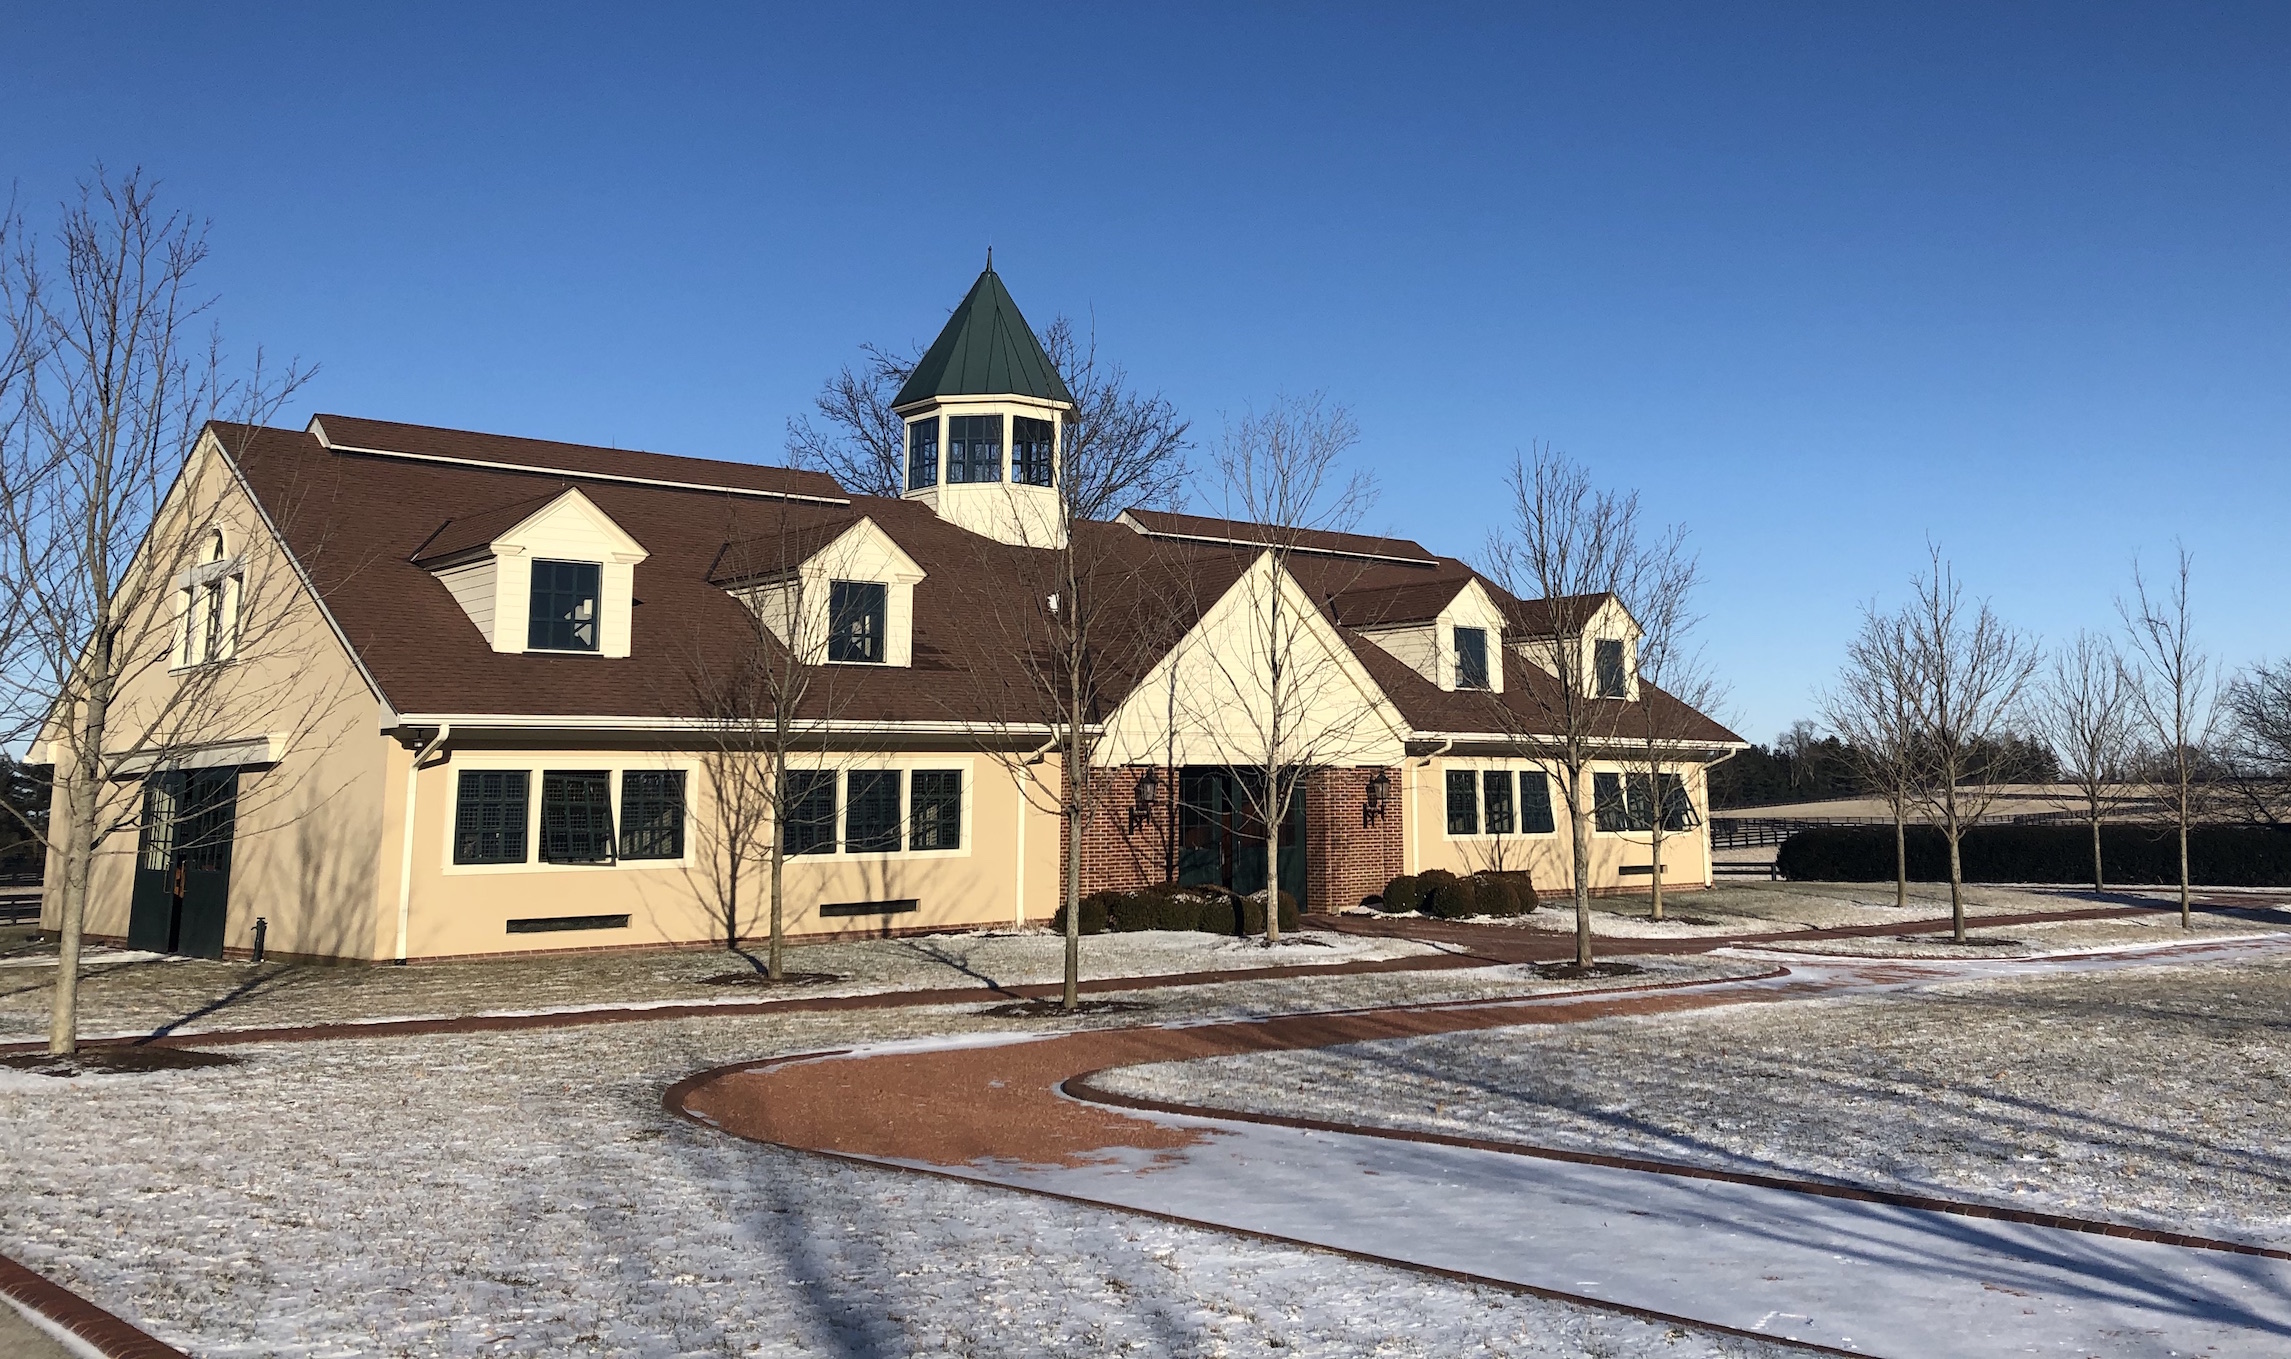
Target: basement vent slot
{"points": [[899, 907], [554, 924]]}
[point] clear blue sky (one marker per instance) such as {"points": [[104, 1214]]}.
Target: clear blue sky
{"points": [[1821, 280]]}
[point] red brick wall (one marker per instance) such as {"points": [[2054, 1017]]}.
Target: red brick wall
{"points": [[1345, 860]]}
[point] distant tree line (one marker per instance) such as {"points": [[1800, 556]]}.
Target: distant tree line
{"points": [[1806, 764]]}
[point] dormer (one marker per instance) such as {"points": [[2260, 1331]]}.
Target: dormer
{"points": [[986, 415], [837, 592], [1593, 632], [1449, 632], [553, 574]]}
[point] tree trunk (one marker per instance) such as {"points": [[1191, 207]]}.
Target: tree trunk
{"points": [[1581, 822], [775, 965], [1277, 804], [1901, 854], [1655, 869], [2098, 882], [2187, 917], [79, 847], [1071, 780]]}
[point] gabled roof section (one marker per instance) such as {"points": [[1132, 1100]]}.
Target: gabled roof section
{"points": [[1393, 606], [503, 452], [474, 533], [987, 349], [843, 540], [1564, 616], [1240, 532]]}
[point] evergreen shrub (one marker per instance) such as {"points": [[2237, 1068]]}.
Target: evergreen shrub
{"points": [[1444, 895], [1168, 906]]}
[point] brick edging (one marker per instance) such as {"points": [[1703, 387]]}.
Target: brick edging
{"points": [[1085, 1087], [115, 1337]]}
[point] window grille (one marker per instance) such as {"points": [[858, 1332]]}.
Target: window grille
{"points": [[564, 613], [935, 809], [1496, 786], [1033, 444], [923, 454], [807, 811], [489, 817], [576, 817], [974, 448], [871, 812], [855, 611], [1463, 802], [652, 814], [1471, 658]]}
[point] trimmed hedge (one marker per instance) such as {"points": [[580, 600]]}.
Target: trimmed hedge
{"points": [[1443, 894], [1165, 906], [2133, 856]]}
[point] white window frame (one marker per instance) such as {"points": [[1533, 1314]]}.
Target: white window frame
{"points": [[967, 765], [1481, 766], [537, 763]]}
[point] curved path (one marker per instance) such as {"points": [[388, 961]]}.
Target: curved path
{"points": [[1819, 1264]]}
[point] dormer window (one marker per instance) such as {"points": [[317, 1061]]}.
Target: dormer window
{"points": [[1607, 668], [923, 454], [855, 621], [564, 613], [1471, 658], [974, 448], [1032, 446]]}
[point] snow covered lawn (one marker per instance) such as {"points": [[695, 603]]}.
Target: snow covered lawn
{"points": [[2150, 1095], [524, 1194], [1760, 908], [135, 993], [2047, 937]]}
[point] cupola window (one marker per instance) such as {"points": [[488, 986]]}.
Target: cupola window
{"points": [[564, 613], [855, 618], [1033, 445], [923, 454], [974, 448]]}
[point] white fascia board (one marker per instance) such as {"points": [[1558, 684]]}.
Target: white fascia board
{"points": [[268, 749], [589, 476], [1517, 738], [465, 722]]}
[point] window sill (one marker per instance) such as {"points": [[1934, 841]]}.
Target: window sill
{"points": [[560, 651]]}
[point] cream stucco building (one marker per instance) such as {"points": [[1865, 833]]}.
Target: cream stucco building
{"points": [[482, 710]]}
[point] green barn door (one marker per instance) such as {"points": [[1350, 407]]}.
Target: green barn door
{"points": [[183, 862], [151, 916]]}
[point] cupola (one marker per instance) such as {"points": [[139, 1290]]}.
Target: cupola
{"points": [[986, 416]]}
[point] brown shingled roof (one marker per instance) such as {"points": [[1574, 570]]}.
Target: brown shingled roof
{"points": [[351, 433], [1169, 523]]}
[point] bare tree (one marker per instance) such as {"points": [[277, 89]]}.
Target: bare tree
{"points": [[1971, 670], [770, 692], [1571, 548], [1124, 446], [1874, 711], [2084, 710], [1672, 672], [1281, 474], [2172, 696], [132, 586], [2256, 707]]}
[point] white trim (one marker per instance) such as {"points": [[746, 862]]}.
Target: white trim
{"points": [[593, 723], [589, 476], [269, 749]]}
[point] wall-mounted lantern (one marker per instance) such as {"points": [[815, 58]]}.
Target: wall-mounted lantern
{"points": [[1377, 800], [1147, 797]]}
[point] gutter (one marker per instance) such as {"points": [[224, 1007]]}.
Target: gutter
{"points": [[406, 839]]}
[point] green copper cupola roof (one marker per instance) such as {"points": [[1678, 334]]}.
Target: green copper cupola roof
{"points": [[987, 349]]}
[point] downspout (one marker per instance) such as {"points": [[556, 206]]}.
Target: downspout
{"points": [[406, 840], [1018, 785]]}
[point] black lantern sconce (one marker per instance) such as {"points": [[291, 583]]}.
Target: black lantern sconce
{"points": [[1148, 797], [1377, 800]]}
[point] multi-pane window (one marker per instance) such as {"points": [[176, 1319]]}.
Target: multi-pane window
{"points": [[1535, 803], [1607, 668], [974, 448], [807, 811], [1496, 787], [1471, 658], [855, 621], [1463, 802], [935, 809], [1608, 810], [564, 616], [1032, 446], [489, 817], [576, 817], [1678, 808], [652, 814], [871, 811], [923, 454]]}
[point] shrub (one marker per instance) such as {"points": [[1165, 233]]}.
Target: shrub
{"points": [[1402, 895], [1443, 894], [1167, 906], [2132, 855]]}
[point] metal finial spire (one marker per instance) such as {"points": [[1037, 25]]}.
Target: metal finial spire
{"points": [[990, 259]]}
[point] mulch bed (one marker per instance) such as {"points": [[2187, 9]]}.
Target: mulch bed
{"points": [[753, 978], [1051, 1009], [1572, 971], [115, 1061]]}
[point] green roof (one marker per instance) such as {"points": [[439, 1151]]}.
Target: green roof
{"points": [[987, 349]]}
